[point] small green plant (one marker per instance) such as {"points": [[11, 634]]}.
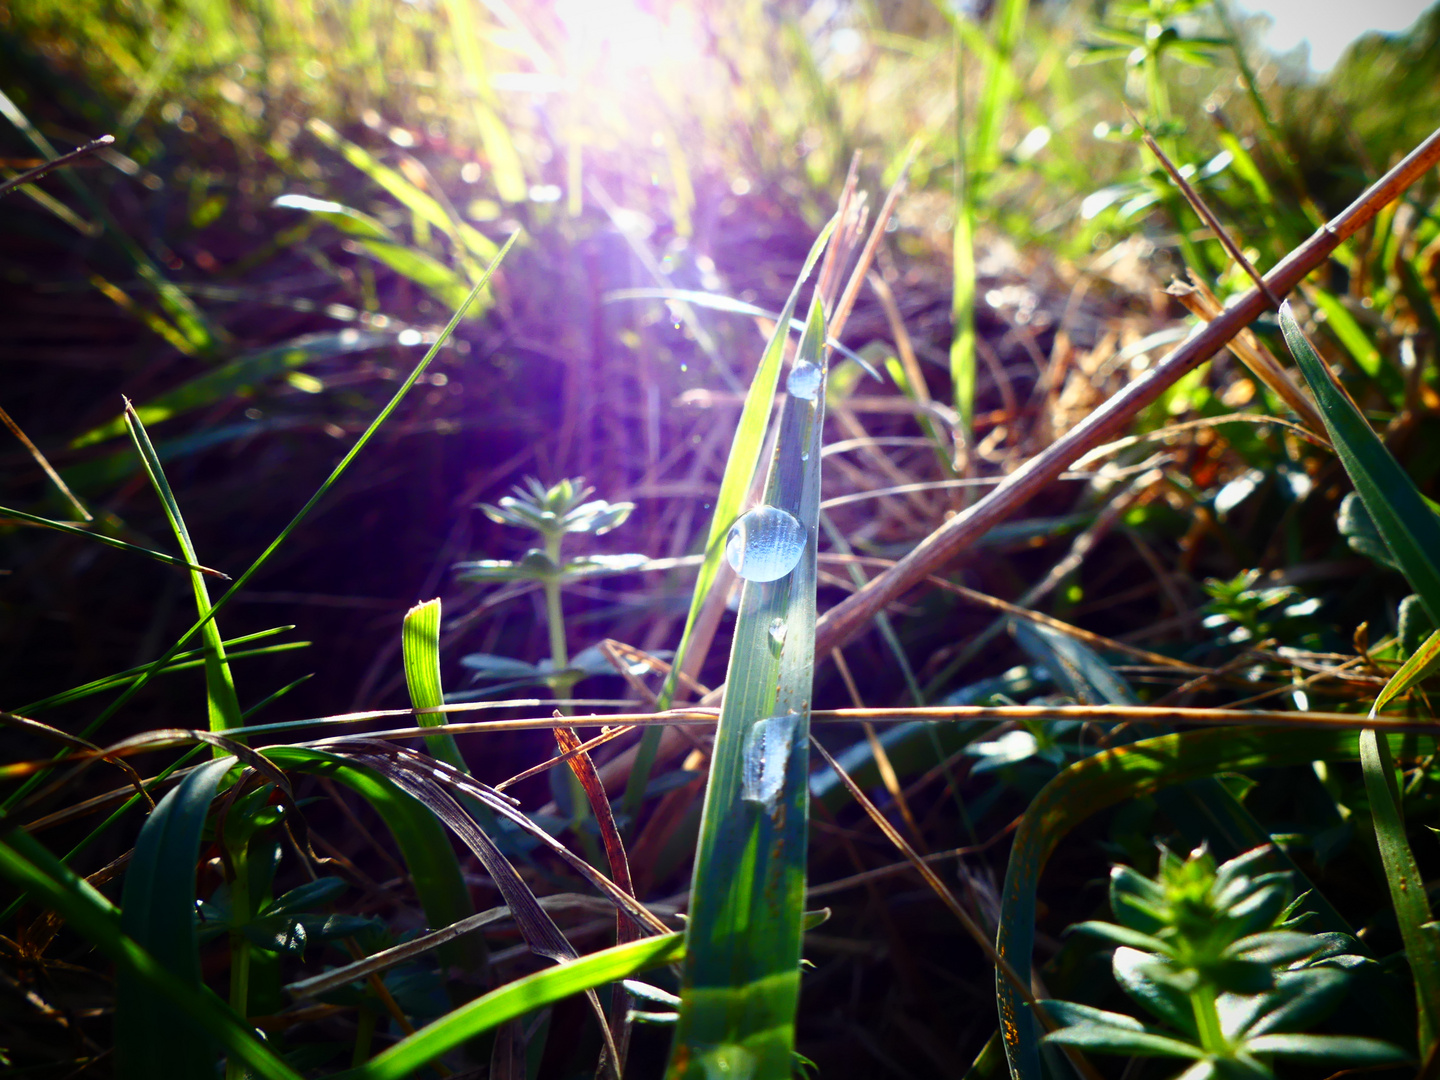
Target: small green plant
{"points": [[1213, 953], [552, 512]]}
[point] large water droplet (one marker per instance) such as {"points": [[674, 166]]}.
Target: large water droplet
{"points": [[804, 380], [778, 627], [767, 755], [765, 544]]}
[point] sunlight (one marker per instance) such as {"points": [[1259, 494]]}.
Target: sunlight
{"points": [[615, 39]]}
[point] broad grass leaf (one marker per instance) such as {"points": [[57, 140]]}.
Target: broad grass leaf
{"points": [[1419, 667], [740, 986], [1409, 527], [1407, 888], [420, 648], [740, 466], [157, 911]]}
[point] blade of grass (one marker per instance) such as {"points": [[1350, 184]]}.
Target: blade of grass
{"points": [[49, 882], [407, 1057], [1419, 667], [1407, 886], [740, 466], [420, 647], [1410, 528], [741, 982], [181, 662], [221, 700], [77, 530], [157, 911]]}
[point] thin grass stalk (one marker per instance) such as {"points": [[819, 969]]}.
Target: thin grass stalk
{"points": [[221, 699]]}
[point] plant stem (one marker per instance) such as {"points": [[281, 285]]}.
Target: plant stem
{"points": [[1207, 1019], [562, 779], [235, 1069]]}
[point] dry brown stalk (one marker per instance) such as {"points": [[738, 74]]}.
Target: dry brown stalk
{"points": [[851, 615]]}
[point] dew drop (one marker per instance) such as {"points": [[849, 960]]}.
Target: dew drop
{"points": [[777, 635], [765, 544], [804, 380]]}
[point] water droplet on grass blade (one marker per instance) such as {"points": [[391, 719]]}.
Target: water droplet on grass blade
{"points": [[767, 753], [804, 381], [765, 544], [777, 635]]}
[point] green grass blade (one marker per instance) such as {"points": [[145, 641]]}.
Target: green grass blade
{"points": [[1108, 779], [407, 1057], [1409, 526], [741, 982], [50, 883], [157, 910], [242, 374], [76, 530], [222, 703], [426, 849], [420, 646], [1421, 665], [182, 662], [1407, 887], [740, 467]]}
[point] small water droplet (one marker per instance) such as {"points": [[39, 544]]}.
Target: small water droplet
{"points": [[765, 544], [804, 380], [777, 635]]}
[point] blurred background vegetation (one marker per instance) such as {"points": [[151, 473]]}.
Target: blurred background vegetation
{"points": [[299, 194]]}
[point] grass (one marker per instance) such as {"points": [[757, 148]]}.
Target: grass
{"points": [[1085, 586]]}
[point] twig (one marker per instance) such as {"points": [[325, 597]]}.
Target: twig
{"points": [[55, 163], [852, 614]]}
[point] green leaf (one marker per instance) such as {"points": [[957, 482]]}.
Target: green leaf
{"points": [[158, 913], [1327, 1048], [349, 221], [1421, 665], [1410, 529], [90, 534], [1407, 887], [1131, 968], [515, 999], [740, 985], [1112, 1033], [224, 706], [420, 645], [1122, 935]]}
